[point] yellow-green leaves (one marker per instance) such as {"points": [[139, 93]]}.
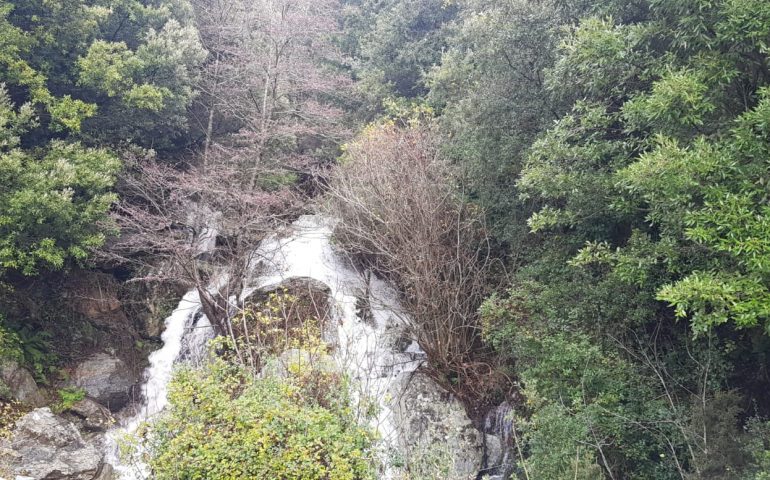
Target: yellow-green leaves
{"points": [[53, 205], [108, 67], [224, 424]]}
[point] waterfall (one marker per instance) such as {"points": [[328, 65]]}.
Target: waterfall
{"points": [[155, 387], [499, 423], [366, 348]]}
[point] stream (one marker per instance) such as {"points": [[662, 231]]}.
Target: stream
{"points": [[419, 426], [367, 350]]}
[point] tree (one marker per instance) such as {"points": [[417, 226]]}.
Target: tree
{"points": [[110, 72], [402, 217], [272, 85], [491, 95], [197, 228], [155, 83], [620, 151], [396, 43], [53, 201]]}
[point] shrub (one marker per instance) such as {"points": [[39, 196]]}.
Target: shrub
{"points": [[402, 215], [68, 397], [223, 423]]}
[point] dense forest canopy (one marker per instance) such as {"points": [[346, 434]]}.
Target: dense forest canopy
{"points": [[573, 197]]}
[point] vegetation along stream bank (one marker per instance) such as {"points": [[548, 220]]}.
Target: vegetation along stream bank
{"points": [[385, 239]]}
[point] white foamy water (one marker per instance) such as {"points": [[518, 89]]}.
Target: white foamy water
{"points": [[155, 388], [365, 349]]}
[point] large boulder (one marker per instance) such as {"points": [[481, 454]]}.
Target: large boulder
{"points": [[92, 415], [17, 384], [46, 446], [314, 292], [433, 428], [105, 378], [310, 299]]}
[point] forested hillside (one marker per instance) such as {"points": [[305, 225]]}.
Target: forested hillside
{"points": [[571, 199], [82, 82], [621, 154]]}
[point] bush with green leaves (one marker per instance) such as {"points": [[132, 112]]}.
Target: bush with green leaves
{"points": [[68, 397], [54, 200], [224, 423], [10, 344]]}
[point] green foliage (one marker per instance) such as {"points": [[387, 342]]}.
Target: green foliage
{"points": [[10, 412], [620, 151], [598, 59], [276, 181], [102, 73], [108, 67], [10, 343], [592, 411], [66, 113], [68, 397], [108, 72], [758, 448], [399, 40], [223, 423], [38, 352], [53, 205], [677, 103]]}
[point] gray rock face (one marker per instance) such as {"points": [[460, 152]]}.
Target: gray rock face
{"points": [[20, 384], [106, 473], [105, 378], [435, 430], [45, 446], [93, 415]]}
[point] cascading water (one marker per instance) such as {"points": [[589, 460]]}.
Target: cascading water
{"points": [[155, 388], [499, 422], [365, 350]]}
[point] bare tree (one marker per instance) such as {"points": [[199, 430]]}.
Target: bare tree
{"points": [[267, 110], [197, 228], [273, 80], [402, 215]]}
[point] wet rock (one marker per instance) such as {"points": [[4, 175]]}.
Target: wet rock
{"points": [[495, 455], [46, 446], [19, 385], [107, 472], [92, 414], [310, 300], [105, 378], [315, 292], [499, 429], [432, 426], [195, 350]]}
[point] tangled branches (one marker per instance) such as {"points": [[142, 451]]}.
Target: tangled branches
{"points": [[402, 216]]}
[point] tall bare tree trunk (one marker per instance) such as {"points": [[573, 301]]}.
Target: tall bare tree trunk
{"points": [[212, 110]]}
